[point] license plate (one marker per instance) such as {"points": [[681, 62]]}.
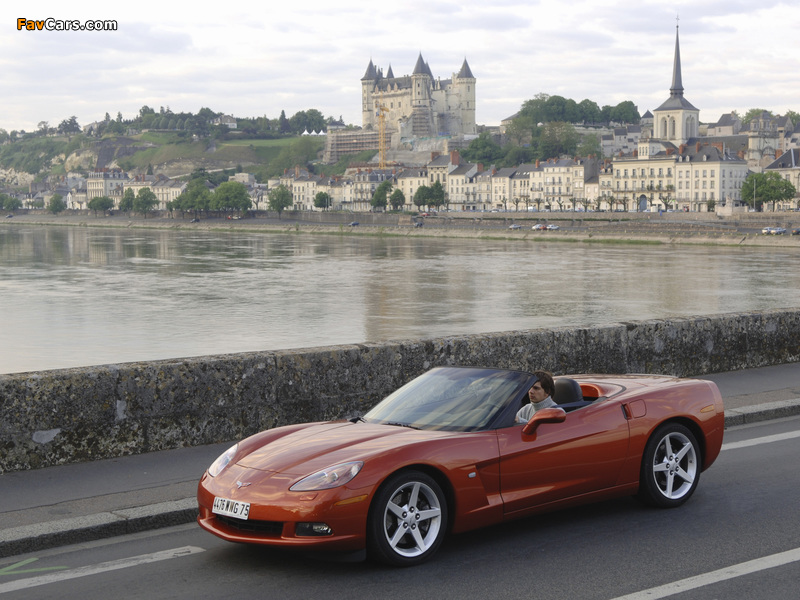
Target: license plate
{"points": [[231, 508]]}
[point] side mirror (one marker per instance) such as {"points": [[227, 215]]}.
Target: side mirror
{"points": [[546, 415]]}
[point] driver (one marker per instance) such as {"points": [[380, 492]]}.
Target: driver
{"points": [[540, 396]]}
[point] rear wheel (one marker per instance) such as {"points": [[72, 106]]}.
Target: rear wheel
{"points": [[670, 467], [407, 519]]}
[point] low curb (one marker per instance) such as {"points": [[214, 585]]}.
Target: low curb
{"points": [[34, 538], [762, 412]]}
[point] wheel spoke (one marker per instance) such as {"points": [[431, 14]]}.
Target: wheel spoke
{"points": [[670, 482], [414, 497], [668, 445], [418, 539], [683, 451], [660, 467], [394, 509], [431, 513], [684, 475], [398, 535]]}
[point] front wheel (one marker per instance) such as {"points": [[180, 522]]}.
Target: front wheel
{"points": [[407, 520], [670, 467]]}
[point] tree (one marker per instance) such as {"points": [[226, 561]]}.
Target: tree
{"points": [[379, 197], [590, 146], [56, 204], [101, 203], [145, 201], [280, 198], [323, 200], [483, 149], [625, 112], [422, 196], [9, 202], [283, 123], [231, 195], [68, 126], [520, 130], [128, 198], [792, 115], [753, 113], [558, 138], [196, 197], [436, 194], [590, 111], [397, 199], [760, 188]]}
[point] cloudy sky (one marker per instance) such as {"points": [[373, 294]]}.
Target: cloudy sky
{"points": [[251, 59]]}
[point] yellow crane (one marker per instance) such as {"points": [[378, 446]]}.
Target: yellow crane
{"points": [[381, 111]]}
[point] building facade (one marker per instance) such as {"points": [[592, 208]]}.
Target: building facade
{"points": [[419, 105]]}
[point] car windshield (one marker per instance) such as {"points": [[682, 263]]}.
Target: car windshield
{"points": [[452, 399]]}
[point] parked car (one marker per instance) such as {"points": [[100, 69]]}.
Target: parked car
{"points": [[796, 231], [539, 227], [353, 224], [443, 454], [9, 216], [778, 231], [515, 226], [552, 227]]}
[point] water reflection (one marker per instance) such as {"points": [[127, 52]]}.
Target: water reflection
{"points": [[75, 296]]}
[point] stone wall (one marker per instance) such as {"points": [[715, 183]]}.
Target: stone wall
{"points": [[70, 415]]}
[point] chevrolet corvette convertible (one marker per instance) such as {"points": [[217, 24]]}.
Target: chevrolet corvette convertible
{"points": [[443, 454]]}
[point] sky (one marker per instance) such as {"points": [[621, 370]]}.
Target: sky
{"points": [[252, 59]]}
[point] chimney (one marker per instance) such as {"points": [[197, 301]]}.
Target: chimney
{"points": [[537, 163], [777, 153], [455, 158], [670, 151], [682, 149], [697, 147]]}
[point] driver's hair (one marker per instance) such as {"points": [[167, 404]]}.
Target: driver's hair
{"points": [[546, 379]]}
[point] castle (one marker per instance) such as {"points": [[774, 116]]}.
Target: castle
{"points": [[419, 105]]}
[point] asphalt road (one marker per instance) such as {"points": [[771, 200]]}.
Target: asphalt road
{"points": [[738, 537]]}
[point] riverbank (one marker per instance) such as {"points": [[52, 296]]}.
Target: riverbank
{"points": [[573, 230]]}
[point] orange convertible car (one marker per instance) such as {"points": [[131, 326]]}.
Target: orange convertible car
{"points": [[442, 454]]}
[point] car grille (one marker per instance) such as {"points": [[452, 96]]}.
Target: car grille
{"points": [[270, 528]]}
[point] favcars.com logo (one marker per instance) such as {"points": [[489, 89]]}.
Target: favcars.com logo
{"points": [[65, 25]]}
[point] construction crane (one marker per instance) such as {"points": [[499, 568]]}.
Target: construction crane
{"points": [[381, 111]]}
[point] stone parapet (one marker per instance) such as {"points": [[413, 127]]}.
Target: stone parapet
{"points": [[71, 415]]}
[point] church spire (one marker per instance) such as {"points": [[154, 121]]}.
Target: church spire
{"points": [[677, 83]]}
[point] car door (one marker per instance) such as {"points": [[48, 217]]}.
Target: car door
{"points": [[561, 460]]}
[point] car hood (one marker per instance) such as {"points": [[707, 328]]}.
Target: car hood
{"points": [[318, 446]]}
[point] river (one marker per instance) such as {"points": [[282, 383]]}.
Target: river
{"points": [[77, 296]]}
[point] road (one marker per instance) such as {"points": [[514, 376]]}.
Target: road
{"points": [[738, 537]]}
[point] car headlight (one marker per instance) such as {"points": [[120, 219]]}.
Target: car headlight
{"points": [[223, 460], [328, 478]]}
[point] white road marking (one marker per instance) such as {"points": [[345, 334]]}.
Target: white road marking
{"points": [[22, 584], [745, 568], [768, 439]]}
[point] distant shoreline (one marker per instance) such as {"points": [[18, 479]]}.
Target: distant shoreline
{"points": [[627, 233]]}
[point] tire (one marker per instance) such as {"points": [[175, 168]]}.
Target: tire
{"points": [[407, 520], [670, 467]]}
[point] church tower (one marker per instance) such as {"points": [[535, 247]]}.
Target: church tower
{"points": [[676, 120]]}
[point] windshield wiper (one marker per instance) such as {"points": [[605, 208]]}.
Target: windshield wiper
{"points": [[403, 425]]}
